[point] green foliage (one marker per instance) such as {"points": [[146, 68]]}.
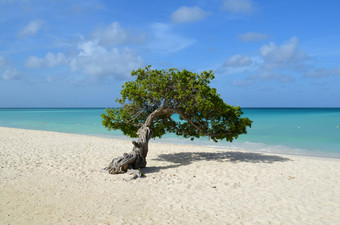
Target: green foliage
{"points": [[157, 94]]}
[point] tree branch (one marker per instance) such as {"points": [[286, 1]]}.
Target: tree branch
{"points": [[165, 102], [162, 110], [193, 124], [134, 117]]}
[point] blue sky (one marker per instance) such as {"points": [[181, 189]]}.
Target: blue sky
{"points": [[79, 53]]}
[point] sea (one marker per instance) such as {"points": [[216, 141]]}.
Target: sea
{"points": [[297, 131]]}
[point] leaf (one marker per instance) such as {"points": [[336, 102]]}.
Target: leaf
{"points": [[155, 95]]}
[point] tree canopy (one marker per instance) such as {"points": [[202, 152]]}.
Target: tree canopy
{"points": [[155, 95]]}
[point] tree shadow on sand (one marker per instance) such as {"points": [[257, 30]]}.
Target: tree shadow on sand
{"points": [[186, 158]]}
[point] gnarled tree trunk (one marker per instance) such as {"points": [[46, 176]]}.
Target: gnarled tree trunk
{"points": [[135, 159]]}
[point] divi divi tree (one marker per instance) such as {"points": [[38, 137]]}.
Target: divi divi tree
{"points": [[148, 102]]}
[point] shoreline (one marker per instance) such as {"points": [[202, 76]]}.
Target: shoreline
{"points": [[291, 131], [55, 178], [289, 151]]}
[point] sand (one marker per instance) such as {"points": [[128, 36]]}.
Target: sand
{"points": [[55, 178]]}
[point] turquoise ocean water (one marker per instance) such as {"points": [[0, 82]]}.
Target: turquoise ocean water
{"points": [[311, 131]]}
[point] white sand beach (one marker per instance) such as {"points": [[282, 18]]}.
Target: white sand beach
{"points": [[55, 178]]}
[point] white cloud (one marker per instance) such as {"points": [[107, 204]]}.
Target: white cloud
{"points": [[34, 62], [7, 72], [2, 61], [50, 60], [49, 79], [322, 72], [101, 62], [274, 63], [112, 35], [85, 7], [55, 59], [90, 48], [164, 40], [242, 83], [239, 6], [97, 56], [31, 28], [188, 14], [285, 55], [253, 37], [266, 75], [263, 76], [280, 63], [115, 34], [10, 74], [238, 61]]}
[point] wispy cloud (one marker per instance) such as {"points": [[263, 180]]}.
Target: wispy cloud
{"points": [[92, 59], [32, 28], [7, 71], [277, 61], [239, 6], [252, 37], [272, 63], [85, 7], [268, 75], [323, 72], [238, 61], [112, 35], [238, 65], [10, 74], [2, 61], [165, 40], [188, 14], [102, 54], [260, 78], [105, 53], [263, 76], [279, 58], [101, 62], [115, 34], [50, 60], [286, 55]]}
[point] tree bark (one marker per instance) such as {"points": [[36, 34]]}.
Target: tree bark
{"points": [[137, 157]]}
